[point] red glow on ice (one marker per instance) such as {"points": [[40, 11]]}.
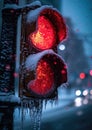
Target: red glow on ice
{"points": [[44, 81], [82, 75], [44, 37]]}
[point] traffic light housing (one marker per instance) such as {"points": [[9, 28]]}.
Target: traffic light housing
{"points": [[49, 28], [42, 69]]}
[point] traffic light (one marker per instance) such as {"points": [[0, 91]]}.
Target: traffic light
{"points": [[42, 69]]}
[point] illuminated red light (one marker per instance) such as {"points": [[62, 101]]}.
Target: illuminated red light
{"points": [[44, 37], [50, 73], [82, 75], [44, 80], [50, 30], [90, 72]]}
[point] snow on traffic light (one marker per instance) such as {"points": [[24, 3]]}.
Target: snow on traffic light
{"points": [[42, 69]]}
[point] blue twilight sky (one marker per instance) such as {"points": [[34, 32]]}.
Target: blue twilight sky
{"points": [[80, 12]]}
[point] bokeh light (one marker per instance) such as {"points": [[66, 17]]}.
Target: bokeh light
{"points": [[85, 92], [78, 102], [78, 93], [90, 72], [62, 47], [82, 75]]}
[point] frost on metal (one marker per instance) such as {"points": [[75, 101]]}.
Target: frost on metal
{"points": [[7, 52], [15, 6]]}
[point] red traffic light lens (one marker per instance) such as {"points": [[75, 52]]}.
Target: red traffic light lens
{"points": [[50, 73], [43, 84], [44, 37], [50, 29]]}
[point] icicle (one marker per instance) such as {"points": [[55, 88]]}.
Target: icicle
{"points": [[56, 100], [65, 85], [19, 111], [35, 113], [27, 106], [34, 107], [52, 101], [39, 114], [45, 103], [22, 114]]}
